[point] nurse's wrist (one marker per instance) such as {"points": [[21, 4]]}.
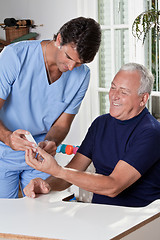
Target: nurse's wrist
{"points": [[7, 138], [51, 140]]}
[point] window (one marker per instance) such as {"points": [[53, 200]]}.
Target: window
{"points": [[152, 61], [114, 50]]}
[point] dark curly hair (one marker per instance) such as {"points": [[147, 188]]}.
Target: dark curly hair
{"points": [[85, 33]]}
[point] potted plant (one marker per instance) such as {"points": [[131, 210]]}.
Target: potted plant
{"points": [[146, 21]]}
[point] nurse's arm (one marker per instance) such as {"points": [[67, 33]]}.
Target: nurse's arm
{"points": [[60, 128], [16, 140], [4, 132], [57, 133]]}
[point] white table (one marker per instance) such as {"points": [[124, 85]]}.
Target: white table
{"points": [[49, 217]]}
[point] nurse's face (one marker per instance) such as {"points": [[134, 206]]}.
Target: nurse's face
{"points": [[125, 103], [67, 58]]}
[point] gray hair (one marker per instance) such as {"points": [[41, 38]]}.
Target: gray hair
{"points": [[147, 79]]}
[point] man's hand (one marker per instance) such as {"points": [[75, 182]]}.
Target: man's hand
{"points": [[44, 162], [49, 146], [36, 186]]}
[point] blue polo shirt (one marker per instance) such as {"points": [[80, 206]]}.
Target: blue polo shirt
{"points": [[135, 141]]}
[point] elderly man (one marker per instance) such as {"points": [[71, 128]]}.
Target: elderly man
{"points": [[123, 146]]}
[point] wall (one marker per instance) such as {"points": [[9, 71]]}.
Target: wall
{"points": [[52, 14]]}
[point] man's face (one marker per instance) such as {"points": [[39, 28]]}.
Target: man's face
{"points": [[67, 58], [125, 103]]}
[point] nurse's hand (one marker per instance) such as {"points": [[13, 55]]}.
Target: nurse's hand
{"points": [[18, 142], [49, 146], [36, 186]]}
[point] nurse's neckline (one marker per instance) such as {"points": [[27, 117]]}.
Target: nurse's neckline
{"points": [[58, 75]]}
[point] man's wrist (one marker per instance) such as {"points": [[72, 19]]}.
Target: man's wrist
{"points": [[59, 171]]}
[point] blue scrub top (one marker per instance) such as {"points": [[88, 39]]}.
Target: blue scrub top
{"points": [[31, 102]]}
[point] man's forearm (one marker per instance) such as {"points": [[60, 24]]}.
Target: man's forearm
{"points": [[91, 182]]}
